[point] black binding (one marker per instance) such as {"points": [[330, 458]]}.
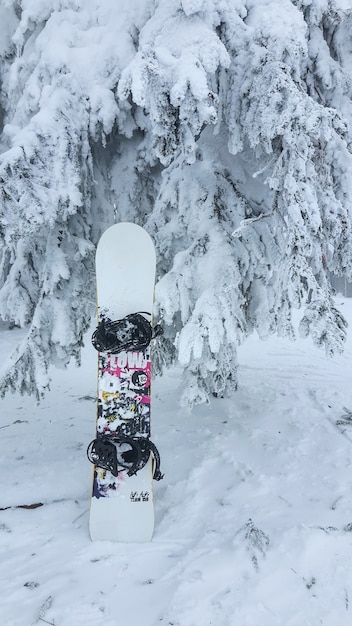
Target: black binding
{"points": [[107, 452], [133, 332]]}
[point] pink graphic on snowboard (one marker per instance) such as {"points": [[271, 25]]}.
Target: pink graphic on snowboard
{"points": [[130, 371]]}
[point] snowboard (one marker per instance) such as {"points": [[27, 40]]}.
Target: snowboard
{"points": [[125, 460]]}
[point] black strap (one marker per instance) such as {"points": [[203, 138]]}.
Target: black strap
{"points": [[157, 475], [103, 452], [132, 332]]}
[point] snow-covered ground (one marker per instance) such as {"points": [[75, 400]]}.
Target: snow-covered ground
{"points": [[253, 518]]}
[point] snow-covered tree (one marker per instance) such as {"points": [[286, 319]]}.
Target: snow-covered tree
{"points": [[57, 102], [222, 126]]}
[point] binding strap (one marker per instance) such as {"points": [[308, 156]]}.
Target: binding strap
{"points": [[133, 332], [110, 452]]}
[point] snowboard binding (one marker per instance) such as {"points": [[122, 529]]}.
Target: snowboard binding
{"points": [[133, 332], [117, 453]]}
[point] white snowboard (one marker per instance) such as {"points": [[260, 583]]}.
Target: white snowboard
{"points": [[122, 507]]}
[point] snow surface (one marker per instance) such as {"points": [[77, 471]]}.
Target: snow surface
{"points": [[253, 517]]}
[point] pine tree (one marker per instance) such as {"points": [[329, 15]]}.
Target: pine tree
{"points": [[253, 210], [222, 126]]}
